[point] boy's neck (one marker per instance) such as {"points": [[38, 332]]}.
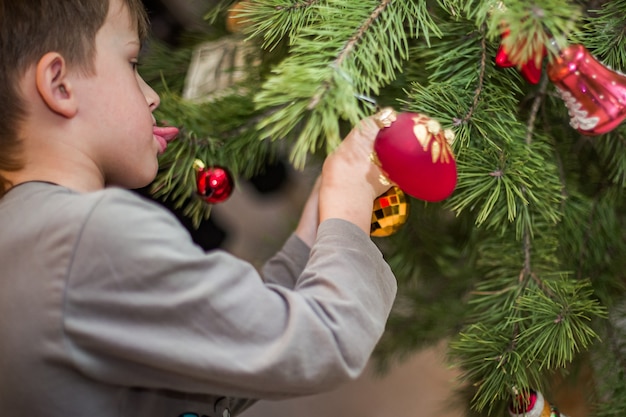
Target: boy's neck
{"points": [[58, 174], [55, 152]]}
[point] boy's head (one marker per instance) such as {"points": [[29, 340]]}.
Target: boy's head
{"points": [[29, 29]]}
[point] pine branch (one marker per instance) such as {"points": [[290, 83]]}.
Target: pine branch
{"points": [[349, 46], [481, 79], [345, 51], [604, 33]]}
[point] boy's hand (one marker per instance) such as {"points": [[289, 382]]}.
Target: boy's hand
{"points": [[350, 181]]}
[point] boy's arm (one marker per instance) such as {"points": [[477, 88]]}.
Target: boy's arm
{"points": [[348, 185], [146, 307], [285, 267]]}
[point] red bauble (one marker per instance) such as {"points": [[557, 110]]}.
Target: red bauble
{"points": [[594, 95], [531, 69], [215, 184], [532, 404], [414, 153], [522, 404]]}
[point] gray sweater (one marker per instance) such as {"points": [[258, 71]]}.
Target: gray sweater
{"points": [[108, 308]]}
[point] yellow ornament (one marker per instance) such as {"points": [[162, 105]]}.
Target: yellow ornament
{"points": [[235, 18], [390, 212]]}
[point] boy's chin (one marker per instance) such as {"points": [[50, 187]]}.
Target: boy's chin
{"points": [[139, 180], [143, 183]]}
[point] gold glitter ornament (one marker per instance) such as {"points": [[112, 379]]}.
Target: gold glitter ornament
{"points": [[390, 212]]}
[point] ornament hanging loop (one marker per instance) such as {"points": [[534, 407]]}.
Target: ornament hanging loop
{"points": [[385, 117]]}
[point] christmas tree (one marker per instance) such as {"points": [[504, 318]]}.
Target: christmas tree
{"points": [[521, 268]]}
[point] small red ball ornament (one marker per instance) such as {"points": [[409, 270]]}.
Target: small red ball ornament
{"points": [[595, 95], [413, 151], [215, 184]]}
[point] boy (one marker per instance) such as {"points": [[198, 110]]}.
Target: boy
{"points": [[107, 308]]}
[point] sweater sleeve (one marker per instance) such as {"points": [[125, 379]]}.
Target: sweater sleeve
{"points": [[285, 267], [146, 307]]}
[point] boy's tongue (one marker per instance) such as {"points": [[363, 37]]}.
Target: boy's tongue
{"points": [[164, 134]]}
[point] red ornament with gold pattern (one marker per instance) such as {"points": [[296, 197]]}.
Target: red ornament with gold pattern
{"points": [[595, 95], [214, 184], [532, 404], [414, 153]]}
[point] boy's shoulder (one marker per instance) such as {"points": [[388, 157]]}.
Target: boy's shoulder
{"points": [[52, 201], [46, 210], [32, 191]]}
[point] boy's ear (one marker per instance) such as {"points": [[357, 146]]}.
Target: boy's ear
{"points": [[54, 86]]}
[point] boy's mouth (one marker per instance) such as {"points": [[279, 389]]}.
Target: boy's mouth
{"points": [[163, 135]]}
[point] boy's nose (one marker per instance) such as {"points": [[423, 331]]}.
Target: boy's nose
{"points": [[152, 98]]}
